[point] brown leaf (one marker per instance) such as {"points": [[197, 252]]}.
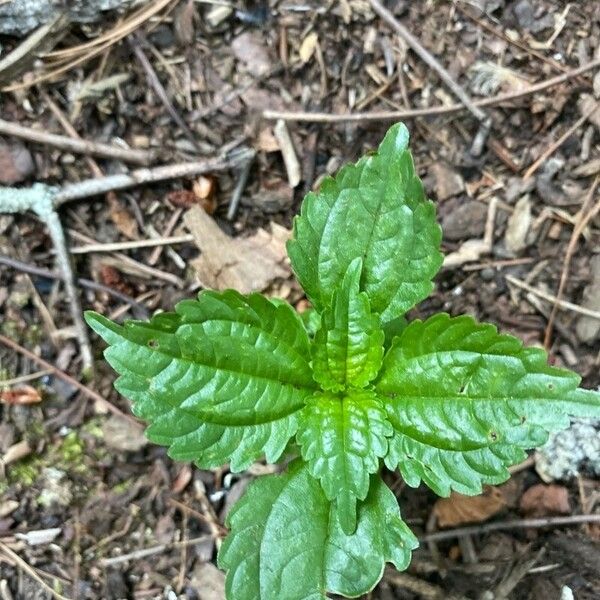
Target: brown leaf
{"points": [[181, 198], [245, 264], [542, 500], [111, 277], [20, 396], [122, 218], [458, 509]]}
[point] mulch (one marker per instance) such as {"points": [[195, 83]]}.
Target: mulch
{"points": [[86, 505]]}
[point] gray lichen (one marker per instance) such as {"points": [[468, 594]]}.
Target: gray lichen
{"points": [[19, 17], [570, 452]]}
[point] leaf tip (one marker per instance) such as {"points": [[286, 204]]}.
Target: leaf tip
{"points": [[110, 332]]}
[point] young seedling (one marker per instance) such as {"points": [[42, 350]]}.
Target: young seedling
{"points": [[447, 401]]}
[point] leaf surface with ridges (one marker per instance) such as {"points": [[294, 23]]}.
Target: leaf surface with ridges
{"points": [[375, 209], [348, 347], [466, 401], [221, 379], [286, 541]]}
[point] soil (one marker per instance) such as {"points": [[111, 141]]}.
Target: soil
{"points": [[80, 489]]}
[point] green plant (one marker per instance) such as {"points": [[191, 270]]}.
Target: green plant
{"points": [[447, 401]]}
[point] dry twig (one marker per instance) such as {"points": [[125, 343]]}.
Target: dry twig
{"points": [[514, 524], [86, 391], [101, 185], [88, 50], [128, 155], [431, 61], [562, 304], [397, 115], [86, 283], [157, 86], [584, 216], [24, 566], [559, 142], [159, 549]]}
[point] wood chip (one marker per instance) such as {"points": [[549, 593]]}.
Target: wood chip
{"points": [[38, 537], [290, 159], [250, 50], [22, 395], [16, 163], [519, 226], [447, 182], [308, 47]]}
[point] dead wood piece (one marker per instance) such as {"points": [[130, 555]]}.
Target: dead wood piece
{"points": [[571, 520], [290, 158], [239, 188], [584, 216], [40, 200], [101, 185], [128, 155]]}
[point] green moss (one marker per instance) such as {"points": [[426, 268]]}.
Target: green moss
{"points": [[25, 472], [122, 487], [71, 454], [94, 427]]}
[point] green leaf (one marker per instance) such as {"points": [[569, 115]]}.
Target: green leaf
{"points": [[377, 210], [466, 401], [348, 348], [286, 541], [221, 379], [342, 438], [312, 321]]}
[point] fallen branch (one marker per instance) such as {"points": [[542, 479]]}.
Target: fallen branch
{"points": [[128, 155], [40, 199], [503, 525], [398, 115], [431, 61], [43, 200], [111, 183]]}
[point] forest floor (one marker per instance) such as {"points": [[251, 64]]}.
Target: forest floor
{"points": [[91, 510]]}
